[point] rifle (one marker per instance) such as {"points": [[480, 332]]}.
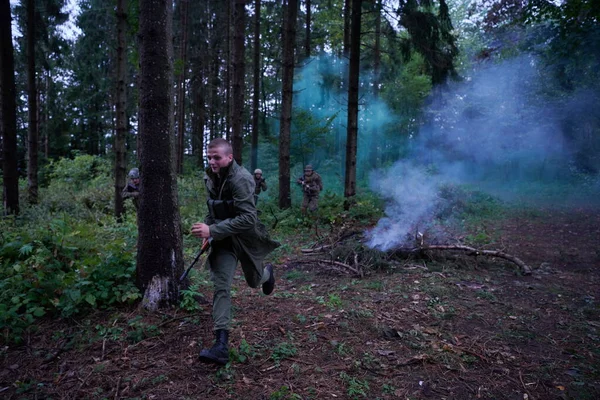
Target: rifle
{"points": [[205, 246]]}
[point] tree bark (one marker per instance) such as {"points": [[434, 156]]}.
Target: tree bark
{"points": [[347, 17], [375, 136], [256, 88], [121, 108], [289, 41], [32, 132], [183, 8], [8, 129], [307, 43], [239, 67], [352, 135], [160, 256], [228, 56]]}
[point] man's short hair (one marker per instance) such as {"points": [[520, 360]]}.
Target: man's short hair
{"points": [[220, 142]]}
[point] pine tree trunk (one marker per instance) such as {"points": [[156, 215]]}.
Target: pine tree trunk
{"points": [[346, 44], [374, 153], [198, 120], [160, 256], [239, 69], [183, 7], [8, 130], [307, 43], [289, 41], [256, 76], [351, 141], [120, 108], [228, 51], [32, 136]]}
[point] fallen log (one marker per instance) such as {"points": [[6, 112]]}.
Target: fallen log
{"points": [[525, 269]]}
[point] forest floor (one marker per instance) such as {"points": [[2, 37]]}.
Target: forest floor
{"points": [[465, 328]]}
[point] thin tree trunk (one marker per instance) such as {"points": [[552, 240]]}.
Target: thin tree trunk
{"points": [[47, 118], [181, 87], [120, 108], [32, 137], [199, 120], [308, 22], [289, 41], [228, 103], [8, 129], [351, 141], [375, 136], [346, 44], [160, 255], [255, 92], [239, 67]]}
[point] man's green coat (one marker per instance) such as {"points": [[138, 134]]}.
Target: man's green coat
{"points": [[243, 224]]}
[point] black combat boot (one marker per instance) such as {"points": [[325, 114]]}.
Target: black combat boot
{"points": [[219, 353], [269, 285]]}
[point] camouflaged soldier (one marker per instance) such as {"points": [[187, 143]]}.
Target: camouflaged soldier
{"points": [[260, 184], [132, 190], [312, 185], [237, 235]]}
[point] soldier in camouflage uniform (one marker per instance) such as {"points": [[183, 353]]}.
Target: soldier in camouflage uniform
{"points": [[311, 187], [237, 235], [132, 190], [261, 184]]}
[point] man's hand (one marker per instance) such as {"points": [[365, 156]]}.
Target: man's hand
{"points": [[201, 230]]}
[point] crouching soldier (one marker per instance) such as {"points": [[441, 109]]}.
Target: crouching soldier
{"points": [[237, 235]]}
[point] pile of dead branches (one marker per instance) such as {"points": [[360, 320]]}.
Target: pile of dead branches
{"points": [[348, 253]]}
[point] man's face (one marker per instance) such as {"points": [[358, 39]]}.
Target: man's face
{"points": [[308, 172], [218, 158], [257, 176], [135, 181]]}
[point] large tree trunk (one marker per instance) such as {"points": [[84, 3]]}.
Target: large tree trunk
{"points": [[120, 108], [32, 136], [239, 67], [289, 42], [160, 256], [351, 141], [8, 129], [183, 8], [256, 76]]}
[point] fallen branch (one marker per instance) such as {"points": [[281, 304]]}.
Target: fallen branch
{"points": [[525, 269], [340, 264], [316, 249]]}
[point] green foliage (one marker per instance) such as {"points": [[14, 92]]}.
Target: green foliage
{"points": [[284, 350], [355, 387], [189, 299], [64, 266], [139, 330], [284, 393]]}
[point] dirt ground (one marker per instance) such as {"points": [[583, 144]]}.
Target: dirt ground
{"points": [[464, 328]]}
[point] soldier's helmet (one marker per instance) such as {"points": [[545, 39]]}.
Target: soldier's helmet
{"points": [[134, 173], [308, 168], [257, 171]]}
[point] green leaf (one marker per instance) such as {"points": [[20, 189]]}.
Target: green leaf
{"points": [[90, 298], [38, 311], [26, 249]]}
